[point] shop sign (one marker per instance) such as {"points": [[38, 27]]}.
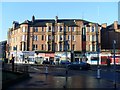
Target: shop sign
{"points": [[49, 55], [41, 54]]}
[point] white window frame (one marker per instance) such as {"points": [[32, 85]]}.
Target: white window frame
{"points": [[36, 46], [24, 29], [69, 36], [65, 28], [93, 29], [61, 36], [35, 37], [60, 28], [50, 28], [35, 29], [73, 38], [23, 37], [50, 37], [69, 28], [60, 45], [68, 48], [73, 28], [43, 29]]}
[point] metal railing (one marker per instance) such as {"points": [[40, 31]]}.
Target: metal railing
{"points": [[16, 68]]}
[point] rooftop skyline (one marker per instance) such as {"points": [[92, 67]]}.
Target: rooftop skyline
{"points": [[101, 12]]}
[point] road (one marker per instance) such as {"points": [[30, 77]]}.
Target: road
{"points": [[56, 78]]}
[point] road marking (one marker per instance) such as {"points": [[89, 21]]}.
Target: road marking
{"points": [[35, 69]]}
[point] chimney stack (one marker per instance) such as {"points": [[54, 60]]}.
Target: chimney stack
{"points": [[15, 24], [33, 18], [115, 24], [56, 18], [104, 25]]}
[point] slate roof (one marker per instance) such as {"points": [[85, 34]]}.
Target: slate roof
{"points": [[42, 22], [112, 26], [109, 28], [67, 22]]}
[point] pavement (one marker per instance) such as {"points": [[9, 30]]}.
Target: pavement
{"points": [[57, 78], [49, 81], [11, 78]]}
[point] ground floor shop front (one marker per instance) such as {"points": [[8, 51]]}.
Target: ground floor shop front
{"points": [[56, 57]]}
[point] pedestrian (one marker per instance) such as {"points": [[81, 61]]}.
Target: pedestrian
{"points": [[13, 59], [3, 64], [35, 62], [27, 59], [108, 61]]}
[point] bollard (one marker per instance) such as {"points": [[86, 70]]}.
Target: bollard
{"points": [[98, 73], [115, 86], [46, 70]]}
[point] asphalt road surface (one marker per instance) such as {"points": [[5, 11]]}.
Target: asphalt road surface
{"points": [[56, 77]]}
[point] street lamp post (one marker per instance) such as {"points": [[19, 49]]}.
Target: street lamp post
{"points": [[66, 65], [15, 48], [97, 49], [72, 52], [65, 48], [114, 43]]}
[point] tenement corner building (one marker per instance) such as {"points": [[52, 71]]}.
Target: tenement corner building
{"points": [[53, 39]]}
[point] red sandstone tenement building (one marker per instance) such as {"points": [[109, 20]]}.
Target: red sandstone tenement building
{"points": [[108, 34], [52, 38]]}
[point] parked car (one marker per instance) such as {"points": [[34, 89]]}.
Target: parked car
{"points": [[64, 62], [48, 62], [79, 66]]}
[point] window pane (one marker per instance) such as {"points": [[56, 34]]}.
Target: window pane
{"points": [[23, 37], [60, 46], [42, 47], [35, 29], [35, 47], [92, 28], [49, 29], [42, 28], [60, 37], [92, 37], [68, 28], [49, 47], [73, 47], [68, 37], [68, 46], [65, 28], [73, 29], [42, 37], [73, 38], [60, 28], [23, 29], [35, 37], [49, 37]]}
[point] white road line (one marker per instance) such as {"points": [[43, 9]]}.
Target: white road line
{"points": [[36, 69]]}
